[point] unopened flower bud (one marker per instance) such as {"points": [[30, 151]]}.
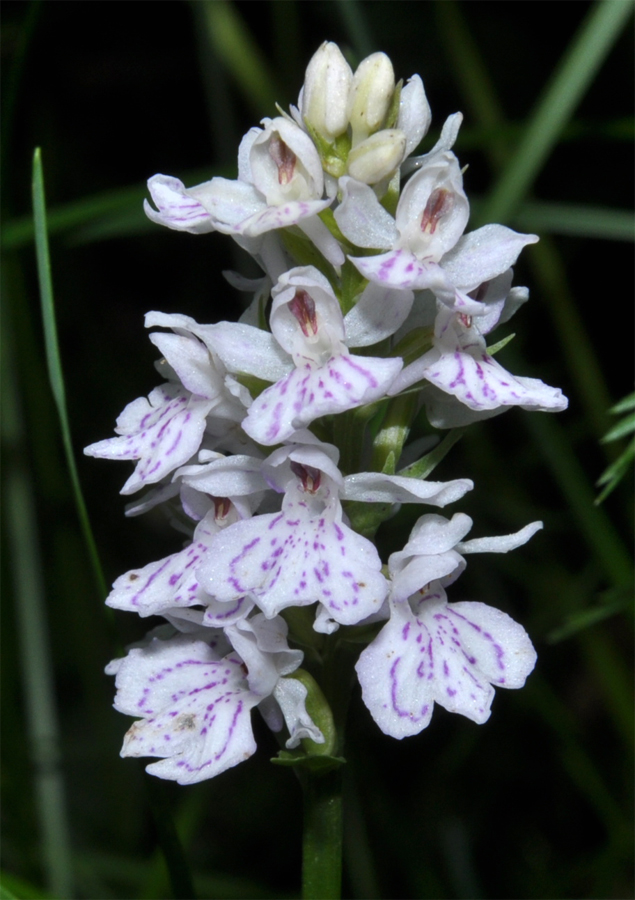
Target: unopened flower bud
{"points": [[369, 101], [327, 84], [377, 156]]}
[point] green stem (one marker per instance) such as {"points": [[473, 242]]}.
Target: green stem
{"points": [[394, 432], [322, 839]]}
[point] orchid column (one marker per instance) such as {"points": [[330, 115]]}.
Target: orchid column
{"points": [[281, 443]]}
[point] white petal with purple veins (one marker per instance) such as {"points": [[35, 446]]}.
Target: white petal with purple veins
{"points": [[450, 654], [273, 217], [195, 709], [170, 582], [401, 269], [177, 206], [162, 432], [481, 383], [305, 394], [293, 558]]}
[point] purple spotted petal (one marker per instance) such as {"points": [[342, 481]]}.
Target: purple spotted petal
{"points": [[194, 709], [399, 269], [273, 217], [162, 432], [478, 381], [450, 654], [295, 558], [306, 394], [168, 583]]}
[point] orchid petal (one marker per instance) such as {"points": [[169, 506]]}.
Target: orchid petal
{"points": [[272, 217], [378, 313], [293, 558], [168, 583], [195, 708], [483, 254], [376, 487], [414, 113], [450, 654], [178, 208], [500, 544], [191, 361], [361, 217], [246, 349], [162, 432], [305, 394], [400, 269]]}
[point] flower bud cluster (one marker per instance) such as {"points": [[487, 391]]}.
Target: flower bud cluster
{"points": [[277, 441]]}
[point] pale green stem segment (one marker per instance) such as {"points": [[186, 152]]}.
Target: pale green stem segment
{"points": [[395, 428]]}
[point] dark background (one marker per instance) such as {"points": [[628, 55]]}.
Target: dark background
{"points": [[537, 802]]}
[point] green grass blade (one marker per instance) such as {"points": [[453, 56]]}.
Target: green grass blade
{"points": [[576, 219], [576, 71], [355, 22], [234, 45], [54, 362], [101, 212], [30, 611], [549, 272], [603, 538], [624, 405]]}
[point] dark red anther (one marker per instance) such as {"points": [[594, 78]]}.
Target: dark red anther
{"points": [[466, 320], [221, 507], [439, 203], [284, 159], [303, 308], [309, 477]]}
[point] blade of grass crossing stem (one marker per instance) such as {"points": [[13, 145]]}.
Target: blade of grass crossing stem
{"points": [[30, 610], [54, 363], [574, 74]]}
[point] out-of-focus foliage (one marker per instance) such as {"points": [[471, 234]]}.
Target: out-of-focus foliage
{"points": [[537, 802], [613, 474]]}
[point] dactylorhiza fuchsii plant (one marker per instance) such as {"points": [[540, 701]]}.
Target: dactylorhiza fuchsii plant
{"points": [[280, 442]]}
